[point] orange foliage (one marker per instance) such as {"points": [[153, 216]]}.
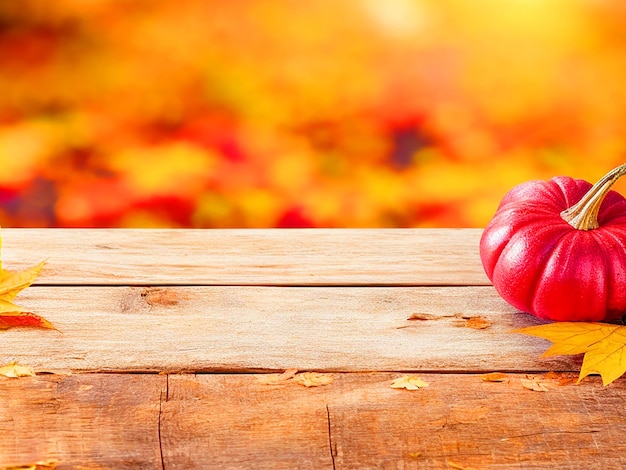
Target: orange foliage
{"points": [[359, 113]]}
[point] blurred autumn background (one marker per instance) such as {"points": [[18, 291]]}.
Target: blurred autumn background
{"points": [[288, 113]]}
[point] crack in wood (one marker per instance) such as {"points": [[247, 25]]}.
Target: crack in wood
{"points": [[167, 389], [542, 433], [330, 438]]}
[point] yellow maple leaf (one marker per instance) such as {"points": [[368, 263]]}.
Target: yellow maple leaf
{"points": [[11, 284], [43, 464], [15, 370], [410, 382], [603, 344], [313, 379]]}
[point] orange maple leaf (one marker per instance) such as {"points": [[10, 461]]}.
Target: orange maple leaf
{"points": [[11, 284], [603, 344]]}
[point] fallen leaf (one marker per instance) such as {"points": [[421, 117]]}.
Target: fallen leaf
{"points": [[313, 379], [410, 382], [276, 379], [11, 283], [14, 370], [602, 344], [415, 455], [537, 384], [41, 465], [494, 377]]}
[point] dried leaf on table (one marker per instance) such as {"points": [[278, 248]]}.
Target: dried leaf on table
{"points": [[276, 379], [494, 377], [11, 283], [313, 379], [537, 384], [603, 345], [41, 465], [410, 382], [14, 370]]}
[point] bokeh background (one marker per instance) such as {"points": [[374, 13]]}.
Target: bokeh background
{"points": [[293, 113]]}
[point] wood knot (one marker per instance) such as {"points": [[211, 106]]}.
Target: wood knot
{"points": [[142, 300], [160, 296]]}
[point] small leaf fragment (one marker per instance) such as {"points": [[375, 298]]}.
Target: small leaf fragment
{"points": [[410, 382], [313, 379], [494, 377], [49, 464], [15, 370], [276, 379], [536, 384], [307, 379]]}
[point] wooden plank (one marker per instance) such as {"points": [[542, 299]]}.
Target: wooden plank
{"points": [[230, 422], [85, 421], [249, 257], [252, 328], [128, 421], [359, 422]]}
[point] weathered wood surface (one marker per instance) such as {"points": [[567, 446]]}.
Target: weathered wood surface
{"points": [[140, 311], [128, 421], [146, 329], [92, 421], [249, 257]]}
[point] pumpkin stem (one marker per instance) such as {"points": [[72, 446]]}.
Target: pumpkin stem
{"points": [[584, 214]]}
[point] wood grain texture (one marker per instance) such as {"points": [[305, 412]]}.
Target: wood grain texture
{"points": [[359, 422], [84, 421], [233, 421], [251, 328], [340, 301], [248, 257]]}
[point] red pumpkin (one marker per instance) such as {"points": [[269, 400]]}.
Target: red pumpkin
{"points": [[557, 249]]}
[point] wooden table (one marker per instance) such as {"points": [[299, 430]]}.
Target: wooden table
{"points": [[162, 334]]}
